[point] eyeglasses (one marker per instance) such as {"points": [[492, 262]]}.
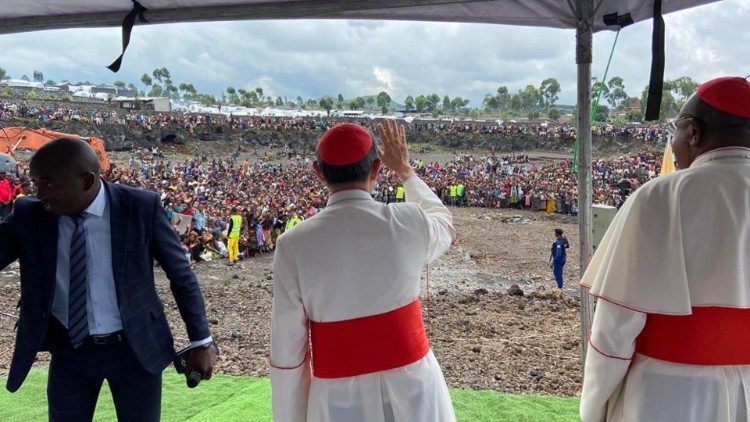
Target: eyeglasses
{"points": [[671, 125]]}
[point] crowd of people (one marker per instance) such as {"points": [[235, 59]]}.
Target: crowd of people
{"points": [[272, 196], [233, 123], [270, 193], [513, 182]]}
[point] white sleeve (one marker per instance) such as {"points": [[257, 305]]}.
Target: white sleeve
{"points": [[610, 351], [290, 357], [439, 219]]}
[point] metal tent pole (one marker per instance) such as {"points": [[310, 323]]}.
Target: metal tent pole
{"points": [[584, 40]]}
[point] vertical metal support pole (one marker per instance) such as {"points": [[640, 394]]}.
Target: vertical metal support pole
{"points": [[584, 41]]}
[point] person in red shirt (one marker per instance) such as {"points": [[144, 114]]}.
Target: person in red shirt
{"points": [[6, 195]]}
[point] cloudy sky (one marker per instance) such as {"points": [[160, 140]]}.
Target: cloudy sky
{"points": [[315, 58]]}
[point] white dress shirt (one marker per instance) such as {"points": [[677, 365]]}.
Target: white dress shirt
{"points": [[101, 298]]}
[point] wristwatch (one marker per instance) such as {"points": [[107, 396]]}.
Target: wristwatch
{"points": [[210, 344], [205, 345]]}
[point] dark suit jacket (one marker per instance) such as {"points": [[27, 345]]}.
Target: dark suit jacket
{"points": [[140, 234]]}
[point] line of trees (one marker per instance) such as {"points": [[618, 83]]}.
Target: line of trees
{"points": [[328, 103], [433, 103], [614, 102], [531, 100]]}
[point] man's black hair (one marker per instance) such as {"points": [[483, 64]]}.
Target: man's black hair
{"points": [[356, 172]]}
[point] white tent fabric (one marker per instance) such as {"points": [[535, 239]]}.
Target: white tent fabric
{"points": [[25, 15]]}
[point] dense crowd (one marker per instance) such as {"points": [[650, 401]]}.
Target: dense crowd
{"points": [[273, 197], [231, 123], [506, 182], [199, 194]]}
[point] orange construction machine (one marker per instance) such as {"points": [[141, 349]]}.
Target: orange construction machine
{"points": [[12, 138]]}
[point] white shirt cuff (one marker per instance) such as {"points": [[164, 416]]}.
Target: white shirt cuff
{"points": [[201, 342]]}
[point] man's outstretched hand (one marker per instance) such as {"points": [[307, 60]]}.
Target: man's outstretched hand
{"points": [[393, 152]]}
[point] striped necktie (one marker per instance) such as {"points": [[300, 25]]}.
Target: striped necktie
{"points": [[77, 320]]}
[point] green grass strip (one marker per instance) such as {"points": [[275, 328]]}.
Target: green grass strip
{"points": [[229, 398]]}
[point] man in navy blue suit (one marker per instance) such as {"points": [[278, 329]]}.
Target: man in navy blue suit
{"points": [[86, 250]]}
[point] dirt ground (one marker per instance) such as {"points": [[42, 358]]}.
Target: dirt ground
{"points": [[484, 337]]}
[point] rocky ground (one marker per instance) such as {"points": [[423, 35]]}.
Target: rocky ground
{"points": [[486, 333]]}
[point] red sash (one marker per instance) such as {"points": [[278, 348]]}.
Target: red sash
{"points": [[710, 336], [369, 344]]}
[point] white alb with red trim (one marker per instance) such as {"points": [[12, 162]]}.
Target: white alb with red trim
{"points": [[356, 258], [679, 242]]}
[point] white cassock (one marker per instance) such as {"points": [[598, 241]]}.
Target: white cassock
{"points": [[354, 259], [672, 275]]}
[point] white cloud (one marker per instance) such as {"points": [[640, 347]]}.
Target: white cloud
{"points": [[266, 83], [384, 76]]}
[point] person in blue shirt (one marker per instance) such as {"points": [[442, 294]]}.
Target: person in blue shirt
{"points": [[558, 256], [169, 211], [200, 219]]}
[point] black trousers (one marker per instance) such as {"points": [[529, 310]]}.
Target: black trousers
{"points": [[76, 377]]}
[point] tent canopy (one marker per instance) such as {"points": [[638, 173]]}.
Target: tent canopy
{"points": [[25, 15]]}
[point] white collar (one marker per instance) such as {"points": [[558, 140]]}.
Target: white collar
{"points": [[721, 153], [348, 194], [100, 202]]}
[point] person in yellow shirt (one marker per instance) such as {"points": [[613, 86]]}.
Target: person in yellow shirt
{"points": [[233, 235], [453, 190], [292, 222], [460, 192], [400, 194], [551, 203]]}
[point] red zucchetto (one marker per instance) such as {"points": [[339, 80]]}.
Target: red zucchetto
{"points": [[344, 144], [728, 94]]}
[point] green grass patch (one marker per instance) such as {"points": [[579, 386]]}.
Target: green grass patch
{"points": [[471, 405], [229, 398]]}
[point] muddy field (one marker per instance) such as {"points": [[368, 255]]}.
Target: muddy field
{"points": [[483, 336]]}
